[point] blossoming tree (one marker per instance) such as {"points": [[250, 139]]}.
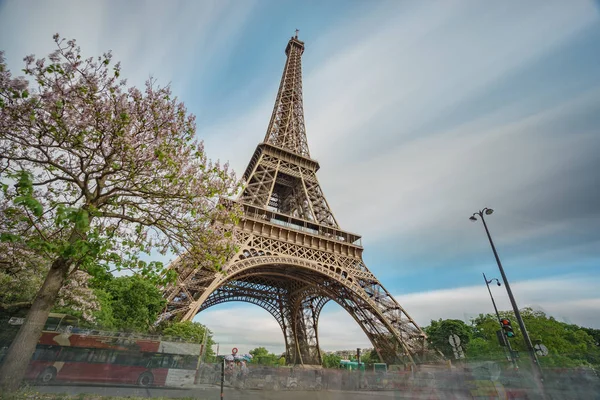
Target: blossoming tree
{"points": [[95, 172]]}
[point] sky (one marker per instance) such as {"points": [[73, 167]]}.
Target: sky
{"points": [[419, 113]]}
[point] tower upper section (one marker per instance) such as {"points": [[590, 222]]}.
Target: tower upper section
{"points": [[281, 176], [286, 128]]}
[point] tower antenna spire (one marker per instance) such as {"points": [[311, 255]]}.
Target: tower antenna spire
{"points": [[286, 128]]}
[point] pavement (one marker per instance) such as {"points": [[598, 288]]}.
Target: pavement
{"points": [[213, 392]]}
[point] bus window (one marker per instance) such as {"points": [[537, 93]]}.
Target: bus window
{"points": [[101, 356], [380, 367], [183, 361], [45, 353], [160, 361], [74, 354], [189, 362], [176, 361], [52, 323], [132, 359], [67, 321]]}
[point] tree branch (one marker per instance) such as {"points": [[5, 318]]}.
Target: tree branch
{"points": [[19, 305]]}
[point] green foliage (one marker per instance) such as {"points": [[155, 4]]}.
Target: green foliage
{"points": [[261, 356], [28, 211], [188, 330], [594, 333], [484, 343], [128, 303], [568, 345], [191, 332], [439, 332], [370, 357], [22, 271], [105, 316], [24, 191], [485, 349], [330, 360], [259, 352]]}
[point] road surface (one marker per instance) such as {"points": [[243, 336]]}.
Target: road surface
{"points": [[212, 392]]}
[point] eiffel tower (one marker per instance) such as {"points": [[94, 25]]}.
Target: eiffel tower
{"points": [[293, 257]]}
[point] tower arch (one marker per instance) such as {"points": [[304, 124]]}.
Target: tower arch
{"points": [[294, 290]]}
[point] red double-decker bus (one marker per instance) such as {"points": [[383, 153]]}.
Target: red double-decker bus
{"points": [[68, 354]]}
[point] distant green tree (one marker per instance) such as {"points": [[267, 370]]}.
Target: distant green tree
{"points": [[190, 331], [331, 360], [594, 333], [484, 342], [568, 345], [370, 357], [439, 331], [259, 352], [193, 332], [261, 356]]}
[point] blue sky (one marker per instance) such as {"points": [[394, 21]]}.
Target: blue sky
{"points": [[420, 113]]}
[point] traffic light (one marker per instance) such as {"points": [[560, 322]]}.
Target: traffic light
{"points": [[507, 328]]}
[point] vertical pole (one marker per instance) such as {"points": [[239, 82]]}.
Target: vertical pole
{"points": [[537, 371], [222, 376], [203, 352], [198, 363], [358, 367], [510, 350]]}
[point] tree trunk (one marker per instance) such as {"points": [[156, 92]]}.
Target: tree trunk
{"points": [[12, 371]]}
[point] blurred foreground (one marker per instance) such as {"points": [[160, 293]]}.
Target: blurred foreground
{"points": [[474, 381], [88, 363]]}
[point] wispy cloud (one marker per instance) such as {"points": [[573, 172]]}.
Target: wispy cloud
{"points": [[369, 99], [181, 43], [481, 162], [555, 296]]}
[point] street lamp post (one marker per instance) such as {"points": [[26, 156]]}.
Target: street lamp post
{"points": [[537, 371], [510, 350]]}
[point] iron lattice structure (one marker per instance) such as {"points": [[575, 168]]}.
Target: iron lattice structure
{"points": [[293, 258]]}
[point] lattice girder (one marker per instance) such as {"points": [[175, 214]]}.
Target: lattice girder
{"points": [[303, 315], [288, 188], [258, 290]]}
